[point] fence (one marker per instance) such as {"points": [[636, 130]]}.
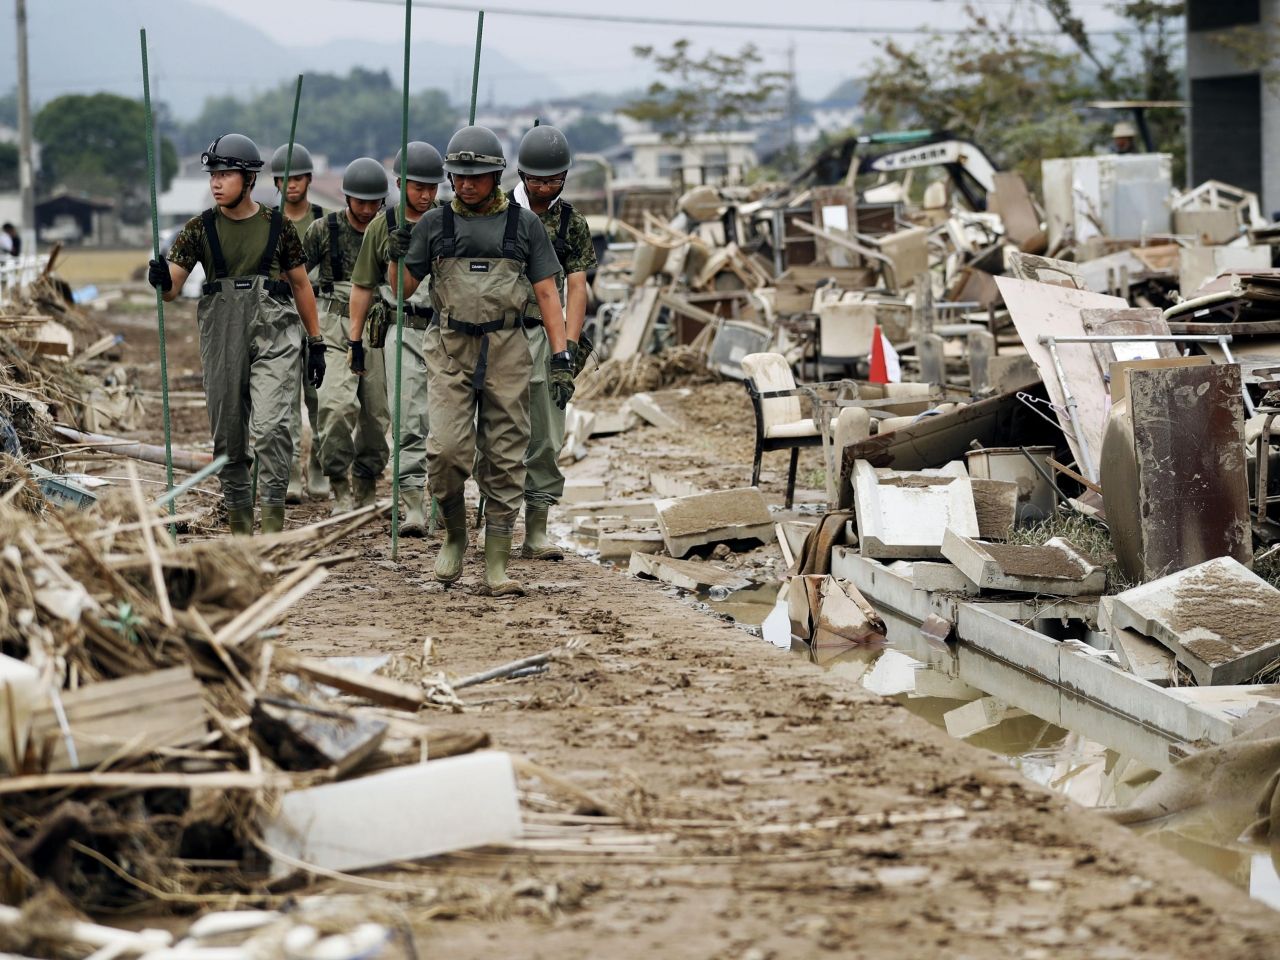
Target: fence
{"points": [[17, 272]]}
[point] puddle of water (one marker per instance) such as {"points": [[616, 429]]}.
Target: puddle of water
{"points": [[919, 675]]}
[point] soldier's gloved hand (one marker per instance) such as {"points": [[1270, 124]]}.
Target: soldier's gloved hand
{"points": [[158, 275], [562, 378], [398, 241], [315, 361], [355, 357], [582, 354]]}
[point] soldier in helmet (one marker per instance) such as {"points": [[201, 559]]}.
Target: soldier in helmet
{"points": [[353, 416], [479, 250], [424, 171], [299, 209], [544, 159], [250, 336]]}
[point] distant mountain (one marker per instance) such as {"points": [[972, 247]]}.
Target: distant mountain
{"points": [[849, 91], [84, 46]]}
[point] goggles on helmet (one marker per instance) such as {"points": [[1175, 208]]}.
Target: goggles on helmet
{"points": [[470, 156]]}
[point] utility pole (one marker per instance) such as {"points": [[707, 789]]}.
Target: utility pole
{"points": [[26, 169], [792, 155]]}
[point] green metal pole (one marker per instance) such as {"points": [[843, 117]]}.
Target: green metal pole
{"points": [[475, 71], [404, 160], [155, 252]]}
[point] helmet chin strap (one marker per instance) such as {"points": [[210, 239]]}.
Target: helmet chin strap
{"points": [[479, 204], [247, 181]]}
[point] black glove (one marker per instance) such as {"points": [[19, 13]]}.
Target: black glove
{"points": [[158, 275], [582, 353], [562, 378], [398, 241], [355, 356], [315, 361]]}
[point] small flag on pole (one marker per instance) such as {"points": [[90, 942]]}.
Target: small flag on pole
{"points": [[885, 365]]}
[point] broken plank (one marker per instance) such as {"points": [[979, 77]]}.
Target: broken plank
{"points": [[89, 780], [371, 686]]}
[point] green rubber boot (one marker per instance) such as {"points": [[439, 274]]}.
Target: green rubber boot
{"points": [[364, 490], [317, 483], [449, 560], [342, 502], [497, 551], [240, 520], [294, 493], [537, 545], [414, 522], [272, 517]]}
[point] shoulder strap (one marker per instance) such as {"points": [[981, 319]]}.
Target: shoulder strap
{"points": [[335, 249], [513, 231], [273, 241], [561, 241], [448, 234], [316, 211], [215, 245], [391, 219]]}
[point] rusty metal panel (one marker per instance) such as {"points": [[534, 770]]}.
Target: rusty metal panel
{"points": [[1193, 492]]}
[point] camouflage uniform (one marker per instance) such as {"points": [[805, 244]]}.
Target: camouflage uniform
{"points": [[250, 343], [353, 416], [371, 272], [309, 400], [544, 483]]}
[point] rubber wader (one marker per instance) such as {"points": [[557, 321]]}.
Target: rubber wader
{"points": [[478, 373], [250, 341]]}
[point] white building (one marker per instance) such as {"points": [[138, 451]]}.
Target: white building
{"points": [[707, 158]]}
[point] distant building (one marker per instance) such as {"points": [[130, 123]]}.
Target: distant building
{"points": [[707, 158], [68, 218], [1233, 113]]}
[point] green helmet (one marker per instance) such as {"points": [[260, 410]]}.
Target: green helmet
{"points": [[423, 165], [544, 152], [365, 180], [474, 150], [301, 161], [231, 151]]}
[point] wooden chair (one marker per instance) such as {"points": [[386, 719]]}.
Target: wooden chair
{"points": [[780, 420]]}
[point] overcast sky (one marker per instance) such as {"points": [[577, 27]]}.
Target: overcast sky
{"points": [[597, 56]]}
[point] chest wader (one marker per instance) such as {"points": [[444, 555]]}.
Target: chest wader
{"points": [[544, 482], [414, 420], [478, 375], [250, 342], [353, 417]]}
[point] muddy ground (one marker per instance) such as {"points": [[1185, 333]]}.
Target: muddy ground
{"points": [[768, 809]]}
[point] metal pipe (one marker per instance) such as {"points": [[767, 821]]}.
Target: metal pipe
{"points": [[1073, 410]]}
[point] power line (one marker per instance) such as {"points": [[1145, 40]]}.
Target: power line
{"points": [[718, 24]]}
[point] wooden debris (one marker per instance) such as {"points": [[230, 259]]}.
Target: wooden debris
{"points": [[120, 719], [382, 690]]}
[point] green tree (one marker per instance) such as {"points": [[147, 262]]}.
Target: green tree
{"points": [[1016, 97], [707, 94], [591, 135], [97, 144], [1144, 64], [341, 117]]}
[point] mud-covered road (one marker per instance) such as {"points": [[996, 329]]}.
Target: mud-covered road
{"points": [[757, 806]]}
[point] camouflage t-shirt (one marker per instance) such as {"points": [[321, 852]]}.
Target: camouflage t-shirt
{"points": [[243, 243], [314, 213], [371, 266], [316, 244], [579, 255]]}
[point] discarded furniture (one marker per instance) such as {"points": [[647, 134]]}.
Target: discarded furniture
{"points": [[780, 420]]}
